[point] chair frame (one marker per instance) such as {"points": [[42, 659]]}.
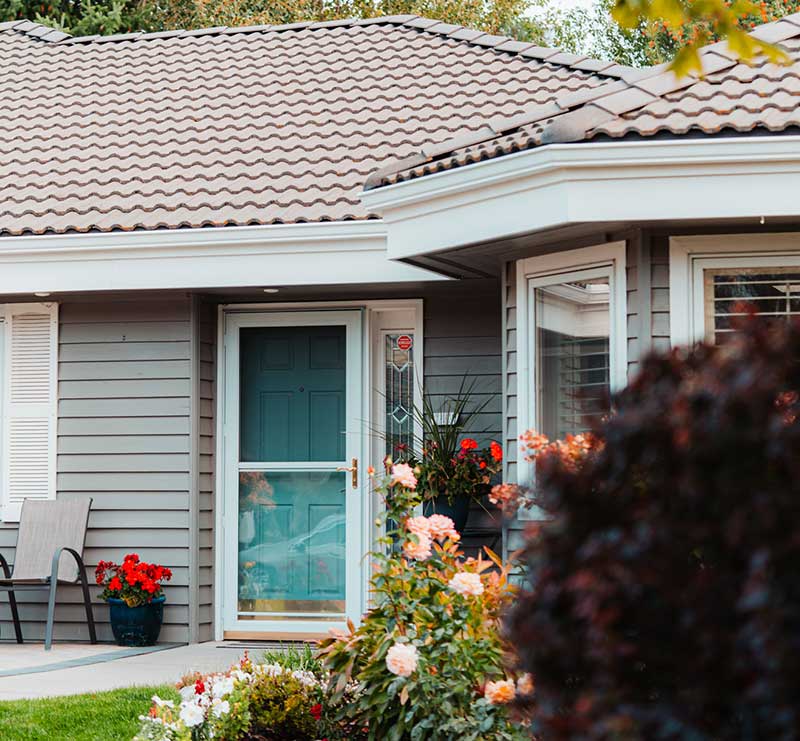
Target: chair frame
{"points": [[50, 584]]}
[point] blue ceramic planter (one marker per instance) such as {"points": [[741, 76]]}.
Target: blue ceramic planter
{"points": [[458, 511], [136, 626]]}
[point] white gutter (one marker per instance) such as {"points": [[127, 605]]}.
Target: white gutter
{"points": [[558, 184], [218, 257]]}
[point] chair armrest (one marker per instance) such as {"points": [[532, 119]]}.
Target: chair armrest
{"points": [[78, 560], [4, 566]]}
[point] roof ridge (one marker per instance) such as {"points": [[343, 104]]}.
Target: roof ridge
{"points": [[572, 117], [551, 55], [34, 30]]}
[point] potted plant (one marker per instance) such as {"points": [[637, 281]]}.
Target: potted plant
{"points": [[135, 598], [451, 469]]}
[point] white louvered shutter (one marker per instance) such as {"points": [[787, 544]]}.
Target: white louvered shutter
{"points": [[30, 390]]}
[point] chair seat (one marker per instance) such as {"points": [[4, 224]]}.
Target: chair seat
{"points": [[43, 582]]}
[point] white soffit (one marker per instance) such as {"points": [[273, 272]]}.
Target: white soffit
{"points": [[559, 184], [220, 257]]}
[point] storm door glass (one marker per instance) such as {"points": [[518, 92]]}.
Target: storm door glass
{"points": [[399, 395], [291, 518]]}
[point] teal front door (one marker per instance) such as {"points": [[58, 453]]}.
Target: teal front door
{"points": [[297, 493]]}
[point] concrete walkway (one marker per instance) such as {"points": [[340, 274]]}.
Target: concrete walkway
{"points": [[76, 668]]}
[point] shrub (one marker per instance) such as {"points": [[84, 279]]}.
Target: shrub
{"points": [[428, 657], [663, 599]]}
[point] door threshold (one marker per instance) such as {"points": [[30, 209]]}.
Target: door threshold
{"points": [[248, 635]]}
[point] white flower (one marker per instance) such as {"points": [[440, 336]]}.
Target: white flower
{"points": [[403, 474], [162, 703], [466, 583], [222, 686], [187, 693], [401, 659], [192, 714], [221, 707]]}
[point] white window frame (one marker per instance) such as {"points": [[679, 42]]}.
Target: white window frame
{"points": [[602, 260], [691, 256], [10, 512]]}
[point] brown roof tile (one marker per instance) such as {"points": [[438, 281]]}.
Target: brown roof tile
{"points": [[731, 96], [245, 126]]}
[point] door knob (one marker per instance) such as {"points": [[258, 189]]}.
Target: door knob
{"points": [[353, 469]]}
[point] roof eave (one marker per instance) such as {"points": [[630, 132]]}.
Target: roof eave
{"points": [[593, 182]]}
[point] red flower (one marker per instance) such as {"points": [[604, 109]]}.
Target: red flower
{"points": [[469, 444], [316, 711], [199, 687], [115, 584], [496, 451], [482, 464]]}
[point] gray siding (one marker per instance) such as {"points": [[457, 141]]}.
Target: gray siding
{"points": [[463, 341], [659, 291], [206, 373], [123, 439]]}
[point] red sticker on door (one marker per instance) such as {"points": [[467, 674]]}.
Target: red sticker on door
{"points": [[404, 342]]}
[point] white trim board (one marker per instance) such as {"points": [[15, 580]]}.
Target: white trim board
{"points": [[221, 257], [604, 259], [690, 255], [593, 182]]}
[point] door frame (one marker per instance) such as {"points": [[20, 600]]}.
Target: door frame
{"points": [[227, 397]]}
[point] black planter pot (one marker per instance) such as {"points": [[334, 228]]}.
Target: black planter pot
{"points": [[458, 511], [136, 626]]}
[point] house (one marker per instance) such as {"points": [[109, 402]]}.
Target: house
{"points": [[229, 256]]}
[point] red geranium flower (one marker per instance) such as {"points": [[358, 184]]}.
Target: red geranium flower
{"points": [[316, 711], [199, 687], [115, 584], [469, 444], [496, 451]]}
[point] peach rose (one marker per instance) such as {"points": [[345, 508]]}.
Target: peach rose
{"points": [[467, 584], [403, 474], [501, 692], [419, 526], [401, 659], [442, 527], [525, 684], [418, 549]]}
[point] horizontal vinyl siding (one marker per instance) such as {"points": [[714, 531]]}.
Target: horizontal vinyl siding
{"points": [[124, 440], [207, 376], [463, 344]]}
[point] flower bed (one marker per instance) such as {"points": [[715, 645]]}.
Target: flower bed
{"points": [[249, 702]]}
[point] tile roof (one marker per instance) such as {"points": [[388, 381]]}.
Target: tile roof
{"points": [[246, 126], [730, 98]]}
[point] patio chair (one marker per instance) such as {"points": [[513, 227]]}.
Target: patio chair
{"points": [[47, 530]]}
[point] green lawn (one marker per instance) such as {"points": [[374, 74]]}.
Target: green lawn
{"points": [[104, 716]]}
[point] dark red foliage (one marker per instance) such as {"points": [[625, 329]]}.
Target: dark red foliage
{"points": [[664, 597]]}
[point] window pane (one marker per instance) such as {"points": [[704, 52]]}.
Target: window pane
{"points": [[773, 292], [572, 358], [399, 380]]}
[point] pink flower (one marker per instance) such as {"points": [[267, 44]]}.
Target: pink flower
{"points": [[401, 659], [466, 583], [441, 527], [419, 526], [419, 549], [501, 692], [403, 474]]}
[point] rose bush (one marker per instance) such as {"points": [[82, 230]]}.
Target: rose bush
{"points": [[428, 659]]}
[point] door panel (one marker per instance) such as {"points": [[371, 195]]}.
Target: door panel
{"points": [[293, 401]]}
